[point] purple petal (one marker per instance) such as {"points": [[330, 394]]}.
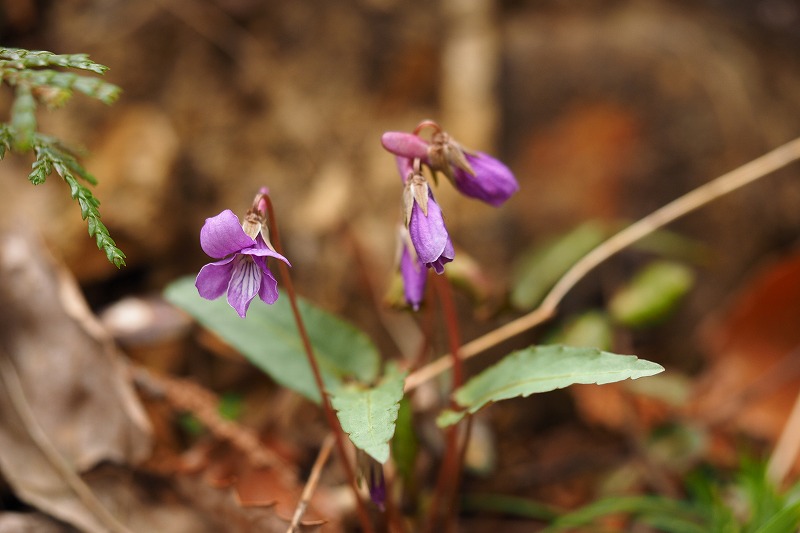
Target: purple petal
{"points": [[268, 291], [404, 167], [245, 283], [377, 485], [223, 235], [414, 276], [428, 233], [493, 182], [212, 280], [262, 250], [405, 145], [447, 255]]}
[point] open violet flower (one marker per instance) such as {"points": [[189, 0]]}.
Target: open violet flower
{"points": [[242, 269]]}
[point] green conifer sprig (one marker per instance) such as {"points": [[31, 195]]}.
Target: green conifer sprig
{"points": [[55, 88], [20, 59], [33, 83], [5, 140], [51, 156]]}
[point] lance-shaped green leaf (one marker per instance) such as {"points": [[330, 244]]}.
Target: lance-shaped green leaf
{"points": [[268, 337], [369, 415], [546, 368], [539, 270], [591, 329]]}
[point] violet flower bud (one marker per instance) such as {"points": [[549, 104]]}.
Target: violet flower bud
{"points": [[492, 181], [413, 272], [372, 471], [405, 145]]}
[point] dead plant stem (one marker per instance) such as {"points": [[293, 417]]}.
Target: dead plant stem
{"points": [[722, 185], [311, 484]]}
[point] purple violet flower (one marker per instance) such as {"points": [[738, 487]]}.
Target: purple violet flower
{"points": [[426, 227], [413, 272], [405, 145], [474, 174], [377, 485], [371, 471], [242, 269], [492, 181]]}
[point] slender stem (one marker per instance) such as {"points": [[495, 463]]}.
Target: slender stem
{"points": [[445, 293], [427, 123], [333, 422], [729, 182], [394, 518], [787, 448], [447, 482], [462, 455], [311, 484]]}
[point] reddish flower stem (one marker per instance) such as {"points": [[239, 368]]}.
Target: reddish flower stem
{"points": [[449, 472], [445, 293], [333, 422], [427, 124]]}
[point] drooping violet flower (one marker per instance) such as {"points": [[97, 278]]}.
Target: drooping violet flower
{"points": [[492, 181], [372, 471], [425, 223], [242, 269], [412, 271], [474, 174]]}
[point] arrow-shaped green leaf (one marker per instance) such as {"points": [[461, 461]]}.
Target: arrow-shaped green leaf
{"points": [[369, 415]]}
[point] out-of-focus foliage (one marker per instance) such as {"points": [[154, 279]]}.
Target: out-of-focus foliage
{"points": [[652, 294], [750, 504]]}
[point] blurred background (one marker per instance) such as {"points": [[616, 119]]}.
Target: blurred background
{"points": [[604, 111]]}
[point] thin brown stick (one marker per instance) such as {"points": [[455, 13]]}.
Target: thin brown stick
{"points": [[729, 182], [313, 481], [186, 395], [787, 448], [16, 394]]}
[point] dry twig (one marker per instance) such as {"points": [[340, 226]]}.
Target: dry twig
{"points": [[729, 182]]}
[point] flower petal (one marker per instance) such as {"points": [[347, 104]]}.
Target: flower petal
{"points": [[262, 250], [405, 167], [493, 182], [245, 283], [414, 276], [268, 291], [447, 255], [223, 235], [212, 280], [428, 233], [405, 144]]}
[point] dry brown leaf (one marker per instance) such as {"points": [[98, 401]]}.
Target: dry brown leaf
{"points": [[30, 523], [66, 403], [753, 379]]}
